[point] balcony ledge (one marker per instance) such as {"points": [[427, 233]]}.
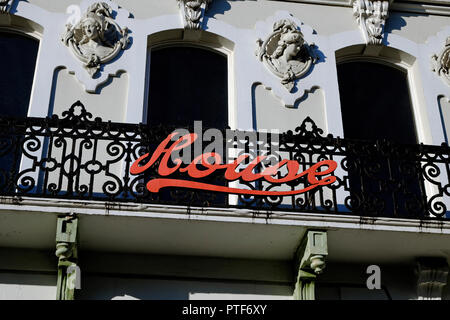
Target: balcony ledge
{"points": [[217, 232]]}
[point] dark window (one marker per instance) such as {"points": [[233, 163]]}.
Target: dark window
{"points": [[384, 179], [375, 102], [18, 60], [188, 84]]}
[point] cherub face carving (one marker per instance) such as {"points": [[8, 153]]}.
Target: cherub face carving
{"points": [[289, 46], [96, 38], [91, 28], [286, 54]]}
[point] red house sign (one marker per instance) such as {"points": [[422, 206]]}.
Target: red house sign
{"points": [[166, 148]]}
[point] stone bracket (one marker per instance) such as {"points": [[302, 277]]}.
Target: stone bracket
{"points": [[432, 278], [371, 17], [66, 251], [310, 261], [193, 12]]}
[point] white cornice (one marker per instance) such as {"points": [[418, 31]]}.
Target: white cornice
{"points": [[434, 7], [424, 8], [303, 219]]}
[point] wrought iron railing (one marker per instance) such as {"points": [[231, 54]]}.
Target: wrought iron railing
{"points": [[75, 157]]}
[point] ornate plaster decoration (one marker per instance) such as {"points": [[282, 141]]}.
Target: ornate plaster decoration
{"points": [[5, 5], [192, 12], [371, 16], [286, 53], [441, 62], [67, 253], [432, 278], [96, 39], [310, 262]]}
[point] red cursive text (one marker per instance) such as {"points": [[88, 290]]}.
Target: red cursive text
{"points": [[165, 150]]}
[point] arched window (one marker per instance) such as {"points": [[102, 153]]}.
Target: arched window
{"points": [[18, 55], [375, 102], [188, 84], [376, 105]]}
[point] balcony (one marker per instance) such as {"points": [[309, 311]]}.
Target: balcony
{"points": [[77, 158]]}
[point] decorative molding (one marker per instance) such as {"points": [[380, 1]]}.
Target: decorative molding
{"points": [[5, 5], [371, 16], [310, 259], [66, 251], [432, 278], [193, 12], [413, 6], [96, 39], [441, 63], [286, 53]]}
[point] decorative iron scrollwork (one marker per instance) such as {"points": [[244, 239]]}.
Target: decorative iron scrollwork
{"points": [[77, 157]]}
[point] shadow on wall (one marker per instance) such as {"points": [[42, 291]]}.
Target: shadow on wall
{"points": [[348, 281], [320, 58], [444, 111], [126, 287], [23, 278], [220, 7], [396, 21], [217, 7], [305, 96]]}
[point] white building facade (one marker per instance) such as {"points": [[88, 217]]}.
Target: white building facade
{"points": [[374, 234]]}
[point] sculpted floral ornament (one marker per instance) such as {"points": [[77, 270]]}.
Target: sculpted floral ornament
{"points": [[96, 39], [193, 12], [441, 62], [5, 5], [371, 16], [286, 53]]}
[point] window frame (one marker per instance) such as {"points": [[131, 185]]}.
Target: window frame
{"points": [[35, 36], [408, 65], [210, 46], [405, 62]]}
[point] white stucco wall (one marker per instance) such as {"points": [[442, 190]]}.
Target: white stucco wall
{"points": [[23, 286], [108, 102], [241, 22], [272, 115], [122, 97]]}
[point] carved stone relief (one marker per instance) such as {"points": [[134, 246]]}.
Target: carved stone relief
{"points": [[5, 5], [96, 39], [371, 16], [286, 53], [441, 63], [192, 12], [432, 278]]}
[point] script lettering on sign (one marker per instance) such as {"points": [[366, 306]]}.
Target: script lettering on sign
{"points": [[212, 162]]}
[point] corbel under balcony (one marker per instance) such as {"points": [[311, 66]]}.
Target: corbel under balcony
{"points": [[310, 262]]}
